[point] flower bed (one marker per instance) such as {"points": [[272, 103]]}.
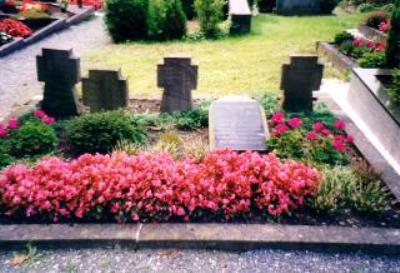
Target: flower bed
{"points": [[154, 187]]}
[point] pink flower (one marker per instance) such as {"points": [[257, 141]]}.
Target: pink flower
{"points": [[318, 126], [358, 42], [280, 129], [339, 143], [48, 120], [384, 26], [295, 122], [39, 113], [381, 46], [277, 118], [3, 131], [326, 132], [350, 139], [311, 136], [339, 124], [12, 124], [370, 44]]}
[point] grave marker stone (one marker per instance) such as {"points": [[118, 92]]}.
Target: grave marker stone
{"points": [[299, 78], [178, 76], [105, 90], [60, 71], [238, 123]]}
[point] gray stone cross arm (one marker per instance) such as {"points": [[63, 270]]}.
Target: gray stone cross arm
{"points": [[58, 65], [177, 72]]}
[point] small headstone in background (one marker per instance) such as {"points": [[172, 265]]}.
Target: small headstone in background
{"points": [[105, 90], [60, 71], [178, 76], [238, 123], [299, 79]]}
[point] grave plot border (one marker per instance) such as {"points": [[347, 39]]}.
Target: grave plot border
{"points": [[59, 24], [335, 57], [372, 33]]}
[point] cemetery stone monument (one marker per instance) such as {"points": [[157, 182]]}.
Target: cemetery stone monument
{"points": [[238, 123], [60, 71], [298, 7], [105, 90], [299, 79], [178, 76]]}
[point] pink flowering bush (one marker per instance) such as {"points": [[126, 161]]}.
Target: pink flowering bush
{"points": [[29, 136], [319, 144], [154, 187], [384, 26]]}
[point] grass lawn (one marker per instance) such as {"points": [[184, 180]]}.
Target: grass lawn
{"points": [[249, 64]]}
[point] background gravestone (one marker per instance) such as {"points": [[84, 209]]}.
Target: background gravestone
{"points": [[178, 76], [105, 90], [238, 123], [299, 79], [292, 7], [59, 71]]}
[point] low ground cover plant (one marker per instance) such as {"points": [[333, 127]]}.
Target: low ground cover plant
{"points": [[394, 88], [15, 28], [154, 187]]}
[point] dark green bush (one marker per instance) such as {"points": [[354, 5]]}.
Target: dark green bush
{"points": [[373, 60], [126, 19], [394, 88], [342, 37], [373, 19], [5, 158], [33, 138], [210, 14], [188, 8], [393, 41], [100, 132], [327, 6], [266, 5], [166, 20]]}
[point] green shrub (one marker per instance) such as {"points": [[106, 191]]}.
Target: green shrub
{"points": [[126, 19], [100, 132], [210, 14], [373, 60], [394, 88], [266, 5], [393, 40], [366, 7], [373, 19], [33, 138], [343, 37], [357, 188], [166, 20], [5, 157], [327, 6]]}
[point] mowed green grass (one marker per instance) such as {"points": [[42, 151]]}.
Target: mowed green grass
{"points": [[248, 64]]}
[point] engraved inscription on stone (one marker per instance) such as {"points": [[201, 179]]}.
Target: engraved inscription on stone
{"points": [[237, 123]]}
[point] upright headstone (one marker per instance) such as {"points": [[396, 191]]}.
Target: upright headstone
{"points": [[238, 123], [298, 7], [60, 71], [105, 90], [299, 79], [178, 76], [240, 13]]}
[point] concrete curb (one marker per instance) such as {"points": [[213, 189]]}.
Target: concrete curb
{"points": [[60, 24], [203, 236]]}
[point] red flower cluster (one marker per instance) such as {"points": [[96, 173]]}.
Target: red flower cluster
{"points": [[384, 26], [154, 187], [372, 45], [15, 28], [13, 123], [319, 130]]}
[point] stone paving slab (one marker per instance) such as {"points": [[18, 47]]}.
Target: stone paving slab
{"points": [[204, 236]]}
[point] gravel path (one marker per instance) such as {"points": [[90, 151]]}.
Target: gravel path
{"points": [[18, 82], [198, 261]]}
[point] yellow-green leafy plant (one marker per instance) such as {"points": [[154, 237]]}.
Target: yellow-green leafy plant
{"points": [[127, 147], [169, 142], [197, 148]]}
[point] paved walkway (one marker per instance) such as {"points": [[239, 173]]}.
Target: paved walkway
{"points": [[198, 261], [18, 81]]}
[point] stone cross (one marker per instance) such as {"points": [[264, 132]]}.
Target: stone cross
{"points": [[178, 76], [105, 90], [299, 78], [238, 123], [60, 71]]}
